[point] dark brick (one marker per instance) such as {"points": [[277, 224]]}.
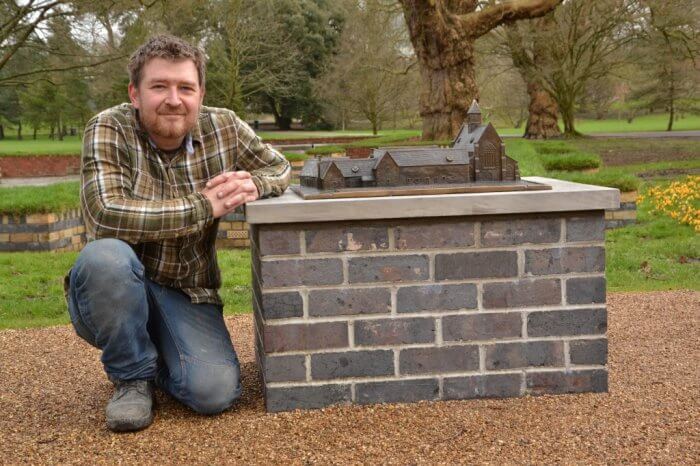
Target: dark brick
{"points": [[586, 228], [435, 235], [482, 326], [349, 301], [481, 386], [278, 241], [585, 290], [522, 293], [439, 360], [436, 298], [399, 391], [352, 364], [589, 351], [540, 383], [282, 305], [347, 239], [298, 337], [314, 397], [301, 272], [284, 368], [394, 331], [512, 231], [568, 322], [466, 265], [528, 354], [565, 260], [388, 269]]}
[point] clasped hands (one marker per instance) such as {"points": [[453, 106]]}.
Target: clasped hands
{"points": [[229, 190]]}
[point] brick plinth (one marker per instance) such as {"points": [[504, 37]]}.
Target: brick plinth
{"points": [[409, 309]]}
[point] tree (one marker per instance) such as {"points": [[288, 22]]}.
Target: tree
{"points": [[582, 41], [245, 59], [313, 28], [371, 75], [23, 26], [443, 34], [668, 54], [529, 54]]}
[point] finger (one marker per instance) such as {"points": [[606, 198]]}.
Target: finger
{"points": [[234, 187], [235, 201], [242, 174], [218, 179]]}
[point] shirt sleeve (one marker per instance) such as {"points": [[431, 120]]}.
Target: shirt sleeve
{"points": [[270, 171], [109, 207]]}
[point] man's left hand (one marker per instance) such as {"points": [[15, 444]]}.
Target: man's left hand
{"points": [[229, 185]]}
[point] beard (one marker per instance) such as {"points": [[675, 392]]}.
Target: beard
{"points": [[168, 122]]}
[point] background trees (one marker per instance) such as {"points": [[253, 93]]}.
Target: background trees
{"points": [[373, 75], [373, 62]]}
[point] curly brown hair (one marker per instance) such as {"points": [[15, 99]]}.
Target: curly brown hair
{"points": [[167, 47]]}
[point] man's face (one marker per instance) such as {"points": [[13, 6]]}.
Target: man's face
{"points": [[168, 99]]}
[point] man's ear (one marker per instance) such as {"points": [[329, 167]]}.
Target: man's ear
{"points": [[204, 91], [134, 95]]}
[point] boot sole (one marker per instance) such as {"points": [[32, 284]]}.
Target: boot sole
{"points": [[129, 425]]}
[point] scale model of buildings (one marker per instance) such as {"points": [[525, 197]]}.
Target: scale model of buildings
{"points": [[477, 155]]}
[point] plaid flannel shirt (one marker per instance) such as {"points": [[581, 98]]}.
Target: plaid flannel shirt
{"points": [[135, 192]]}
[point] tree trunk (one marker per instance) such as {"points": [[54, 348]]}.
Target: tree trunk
{"points": [[670, 118], [543, 114], [19, 130], [2, 132], [448, 88], [34, 134], [443, 33]]}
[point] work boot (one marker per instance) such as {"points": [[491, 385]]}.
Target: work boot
{"points": [[131, 406]]}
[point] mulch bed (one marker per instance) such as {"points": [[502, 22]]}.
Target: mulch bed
{"points": [[53, 393]]}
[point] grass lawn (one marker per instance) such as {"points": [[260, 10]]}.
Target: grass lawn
{"points": [[57, 197], [31, 286]]}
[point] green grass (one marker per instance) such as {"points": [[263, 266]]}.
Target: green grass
{"points": [[610, 177], [295, 156], [326, 150], [71, 145], [647, 256], [57, 197], [570, 162], [31, 286], [657, 122]]}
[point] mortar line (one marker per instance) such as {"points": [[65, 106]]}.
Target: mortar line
{"points": [[414, 252], [461, 343], [426, 282], [349, 380], [434, 314]]}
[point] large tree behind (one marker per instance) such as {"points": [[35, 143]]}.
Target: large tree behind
{"points": [[443, 34], [582, 41]]}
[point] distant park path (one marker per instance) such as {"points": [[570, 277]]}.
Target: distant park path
{"points": [[53, 392]]}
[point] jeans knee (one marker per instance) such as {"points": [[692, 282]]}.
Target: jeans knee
{"points": [[215, 392], [106, 261]]}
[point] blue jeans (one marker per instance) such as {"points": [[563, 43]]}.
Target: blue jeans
{"points": [[150, 331]]}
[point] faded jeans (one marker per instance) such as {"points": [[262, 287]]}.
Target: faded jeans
{"points": [[150, 331]]}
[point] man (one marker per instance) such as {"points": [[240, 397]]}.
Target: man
{"points": [[157, 175]]}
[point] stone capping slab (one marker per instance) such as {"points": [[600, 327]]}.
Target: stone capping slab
{"points": [[564, 196]]}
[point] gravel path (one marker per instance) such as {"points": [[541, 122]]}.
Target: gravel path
{"points": [[53, 392]]}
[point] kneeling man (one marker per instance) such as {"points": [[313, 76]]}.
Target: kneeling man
{"points": [[157, 175]]}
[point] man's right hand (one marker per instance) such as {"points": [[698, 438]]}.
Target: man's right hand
{"points": [[229, 190]]}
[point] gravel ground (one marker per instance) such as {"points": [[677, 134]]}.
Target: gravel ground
{"points": [[53, 392]]}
